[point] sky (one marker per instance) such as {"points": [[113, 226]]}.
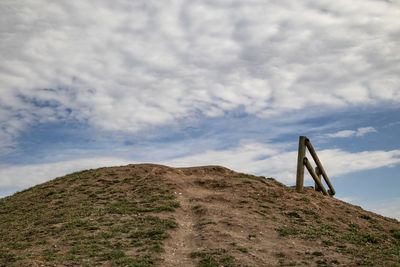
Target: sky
{"points": [[87, 84]]}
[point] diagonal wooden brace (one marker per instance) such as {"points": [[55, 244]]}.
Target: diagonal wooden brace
{"points": [[319, 165], [314, 175]]}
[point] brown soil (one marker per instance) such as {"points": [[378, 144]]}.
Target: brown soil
{"points": [[242, 214], [227, 218]]}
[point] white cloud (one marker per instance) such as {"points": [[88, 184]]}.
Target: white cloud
{"points": [[271, 160], [348, 199], [133, 64], [341, 134], [351, 133], [365, 130], [275, 161], [251, 157], [23, 176], [248, 157], [388, 207]]}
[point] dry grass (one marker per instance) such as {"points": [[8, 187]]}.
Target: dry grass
{"points": [[151, 215]]}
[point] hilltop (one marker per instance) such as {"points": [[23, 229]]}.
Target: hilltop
{"points": [[153, 215]]}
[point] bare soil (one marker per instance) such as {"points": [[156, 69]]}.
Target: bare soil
{"points": [[260, 222], [223, 218]]}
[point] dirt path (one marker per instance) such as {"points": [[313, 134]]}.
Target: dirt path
{"points": [[241, 220], [182, 241]]}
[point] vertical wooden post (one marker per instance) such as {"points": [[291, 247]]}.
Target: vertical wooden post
{"points": [[300, 164], [318, 173]]}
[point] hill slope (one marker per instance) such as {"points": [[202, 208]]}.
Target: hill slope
{"points": [[152, 215]]}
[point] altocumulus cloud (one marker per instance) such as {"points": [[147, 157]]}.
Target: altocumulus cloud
{"points": [[129, 65], [351, 133]]}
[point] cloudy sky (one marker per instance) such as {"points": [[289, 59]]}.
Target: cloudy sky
{"points": [[87, 84]]}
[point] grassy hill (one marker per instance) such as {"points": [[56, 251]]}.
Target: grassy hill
{"points": [[152, 215]]}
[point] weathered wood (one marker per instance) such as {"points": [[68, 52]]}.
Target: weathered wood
{"points": [[314, 176], [300, 164], [318, 173], [319, 165]]}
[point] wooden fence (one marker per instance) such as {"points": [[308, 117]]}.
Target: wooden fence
{"points": [[302, 161]]}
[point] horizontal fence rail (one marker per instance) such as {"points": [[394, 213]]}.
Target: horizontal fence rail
{"points": [[302, 160]]}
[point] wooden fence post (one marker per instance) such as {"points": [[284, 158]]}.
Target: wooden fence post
{"points": [[300, 164], [318, 173]]}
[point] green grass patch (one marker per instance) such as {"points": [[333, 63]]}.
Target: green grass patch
{"points": [[274, 195], [154, 234], [327, 243], [303, 199], [261, 179], [250, 236], [82, 219], [317, 253], [395, 233], [365, 217], [7, 257], [287, 230], [280, 255], [206, 222], [214, 258], [360, 238], [293, 214], [275, 182], [313, 233], [309, 212], [243, 249], [142, 261]]}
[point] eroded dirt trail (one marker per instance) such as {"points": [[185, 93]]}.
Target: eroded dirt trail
{"points": [[182, 241], [233, 219], [189, 236]]}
